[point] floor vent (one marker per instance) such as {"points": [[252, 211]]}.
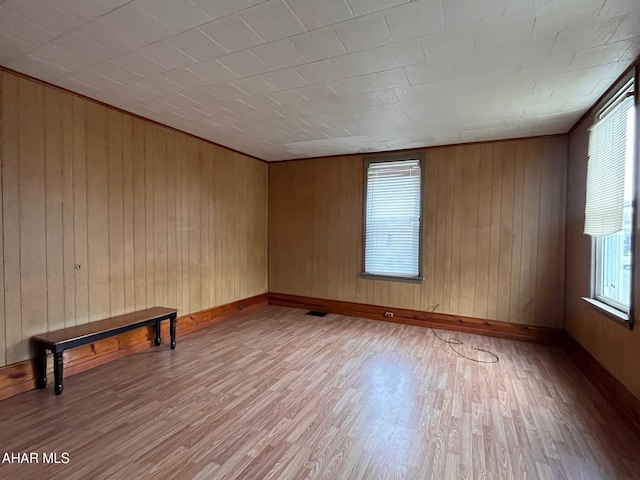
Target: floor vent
{"points": [[313, 313]]}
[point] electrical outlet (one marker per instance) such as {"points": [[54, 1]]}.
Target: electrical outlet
{"points": [[388, 314]]}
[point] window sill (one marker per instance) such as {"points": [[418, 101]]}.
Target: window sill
{"points": [[617, 316], [389, 278]]}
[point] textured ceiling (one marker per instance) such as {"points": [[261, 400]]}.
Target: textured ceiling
{"points": [[281, 79]]}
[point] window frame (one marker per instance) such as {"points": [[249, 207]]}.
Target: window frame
{"points": [[596, 268], [383, 158], [611, 310]]}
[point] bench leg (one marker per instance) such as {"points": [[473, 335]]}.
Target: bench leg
{"points": [[158, 339], [57, 371], [41, 365], [172, 329]]}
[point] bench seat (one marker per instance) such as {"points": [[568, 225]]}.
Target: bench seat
{"points": [[60, 340]]}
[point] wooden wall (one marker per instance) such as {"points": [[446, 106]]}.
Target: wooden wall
{"points": [[614, 346], [103, 213], [493, 232]]}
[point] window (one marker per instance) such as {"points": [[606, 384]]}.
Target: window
{"points": [[392, 226], [609, 209]]}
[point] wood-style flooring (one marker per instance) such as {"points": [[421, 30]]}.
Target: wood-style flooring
{"points": [[277, 394]]}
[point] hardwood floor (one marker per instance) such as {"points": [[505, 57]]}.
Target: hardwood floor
{"points": [[277, 394]]}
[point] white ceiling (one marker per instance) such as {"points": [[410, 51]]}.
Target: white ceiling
{"points": [[281, 79]]}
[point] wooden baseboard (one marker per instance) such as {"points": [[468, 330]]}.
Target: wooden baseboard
{"points": [[19, 377], [616, 394], [492, 328]]}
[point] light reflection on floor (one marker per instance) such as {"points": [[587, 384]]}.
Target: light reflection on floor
{"points": [[389, 406]]}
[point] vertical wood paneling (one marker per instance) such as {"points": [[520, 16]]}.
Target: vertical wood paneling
{"points": [[530, 218], [481, 202], [151, 148], [483, 246], [216, 215], [495, 224], [159, 218], [544, 308], [440, 235], [184, 257], [321, 236], [54, 185], [430, 211], [148, 215], [205, 272], [128, 211], [33, 248], [172, 224], [98, 212], [458, 189], [195, 254], [68, 243], [333, 241], [469, 239], [558, 228], [215, 238], [139, 216], [506, 231], [116, 212], [11, 218], [515, 309], [81, 259], [354, 196], [449, 162]]}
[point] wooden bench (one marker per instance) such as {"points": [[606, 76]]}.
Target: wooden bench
{"points": [[60, 340]]}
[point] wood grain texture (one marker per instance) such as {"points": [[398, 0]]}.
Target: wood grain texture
{"points": [[12, 315], [277, 394], [493, 232], [19, 377], [613, 346], [104, 213], [31, 204], [618, 396], [478, 326]]}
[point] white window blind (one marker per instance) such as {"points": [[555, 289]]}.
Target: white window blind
{"points": [[392, 219], [606, 168]]}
